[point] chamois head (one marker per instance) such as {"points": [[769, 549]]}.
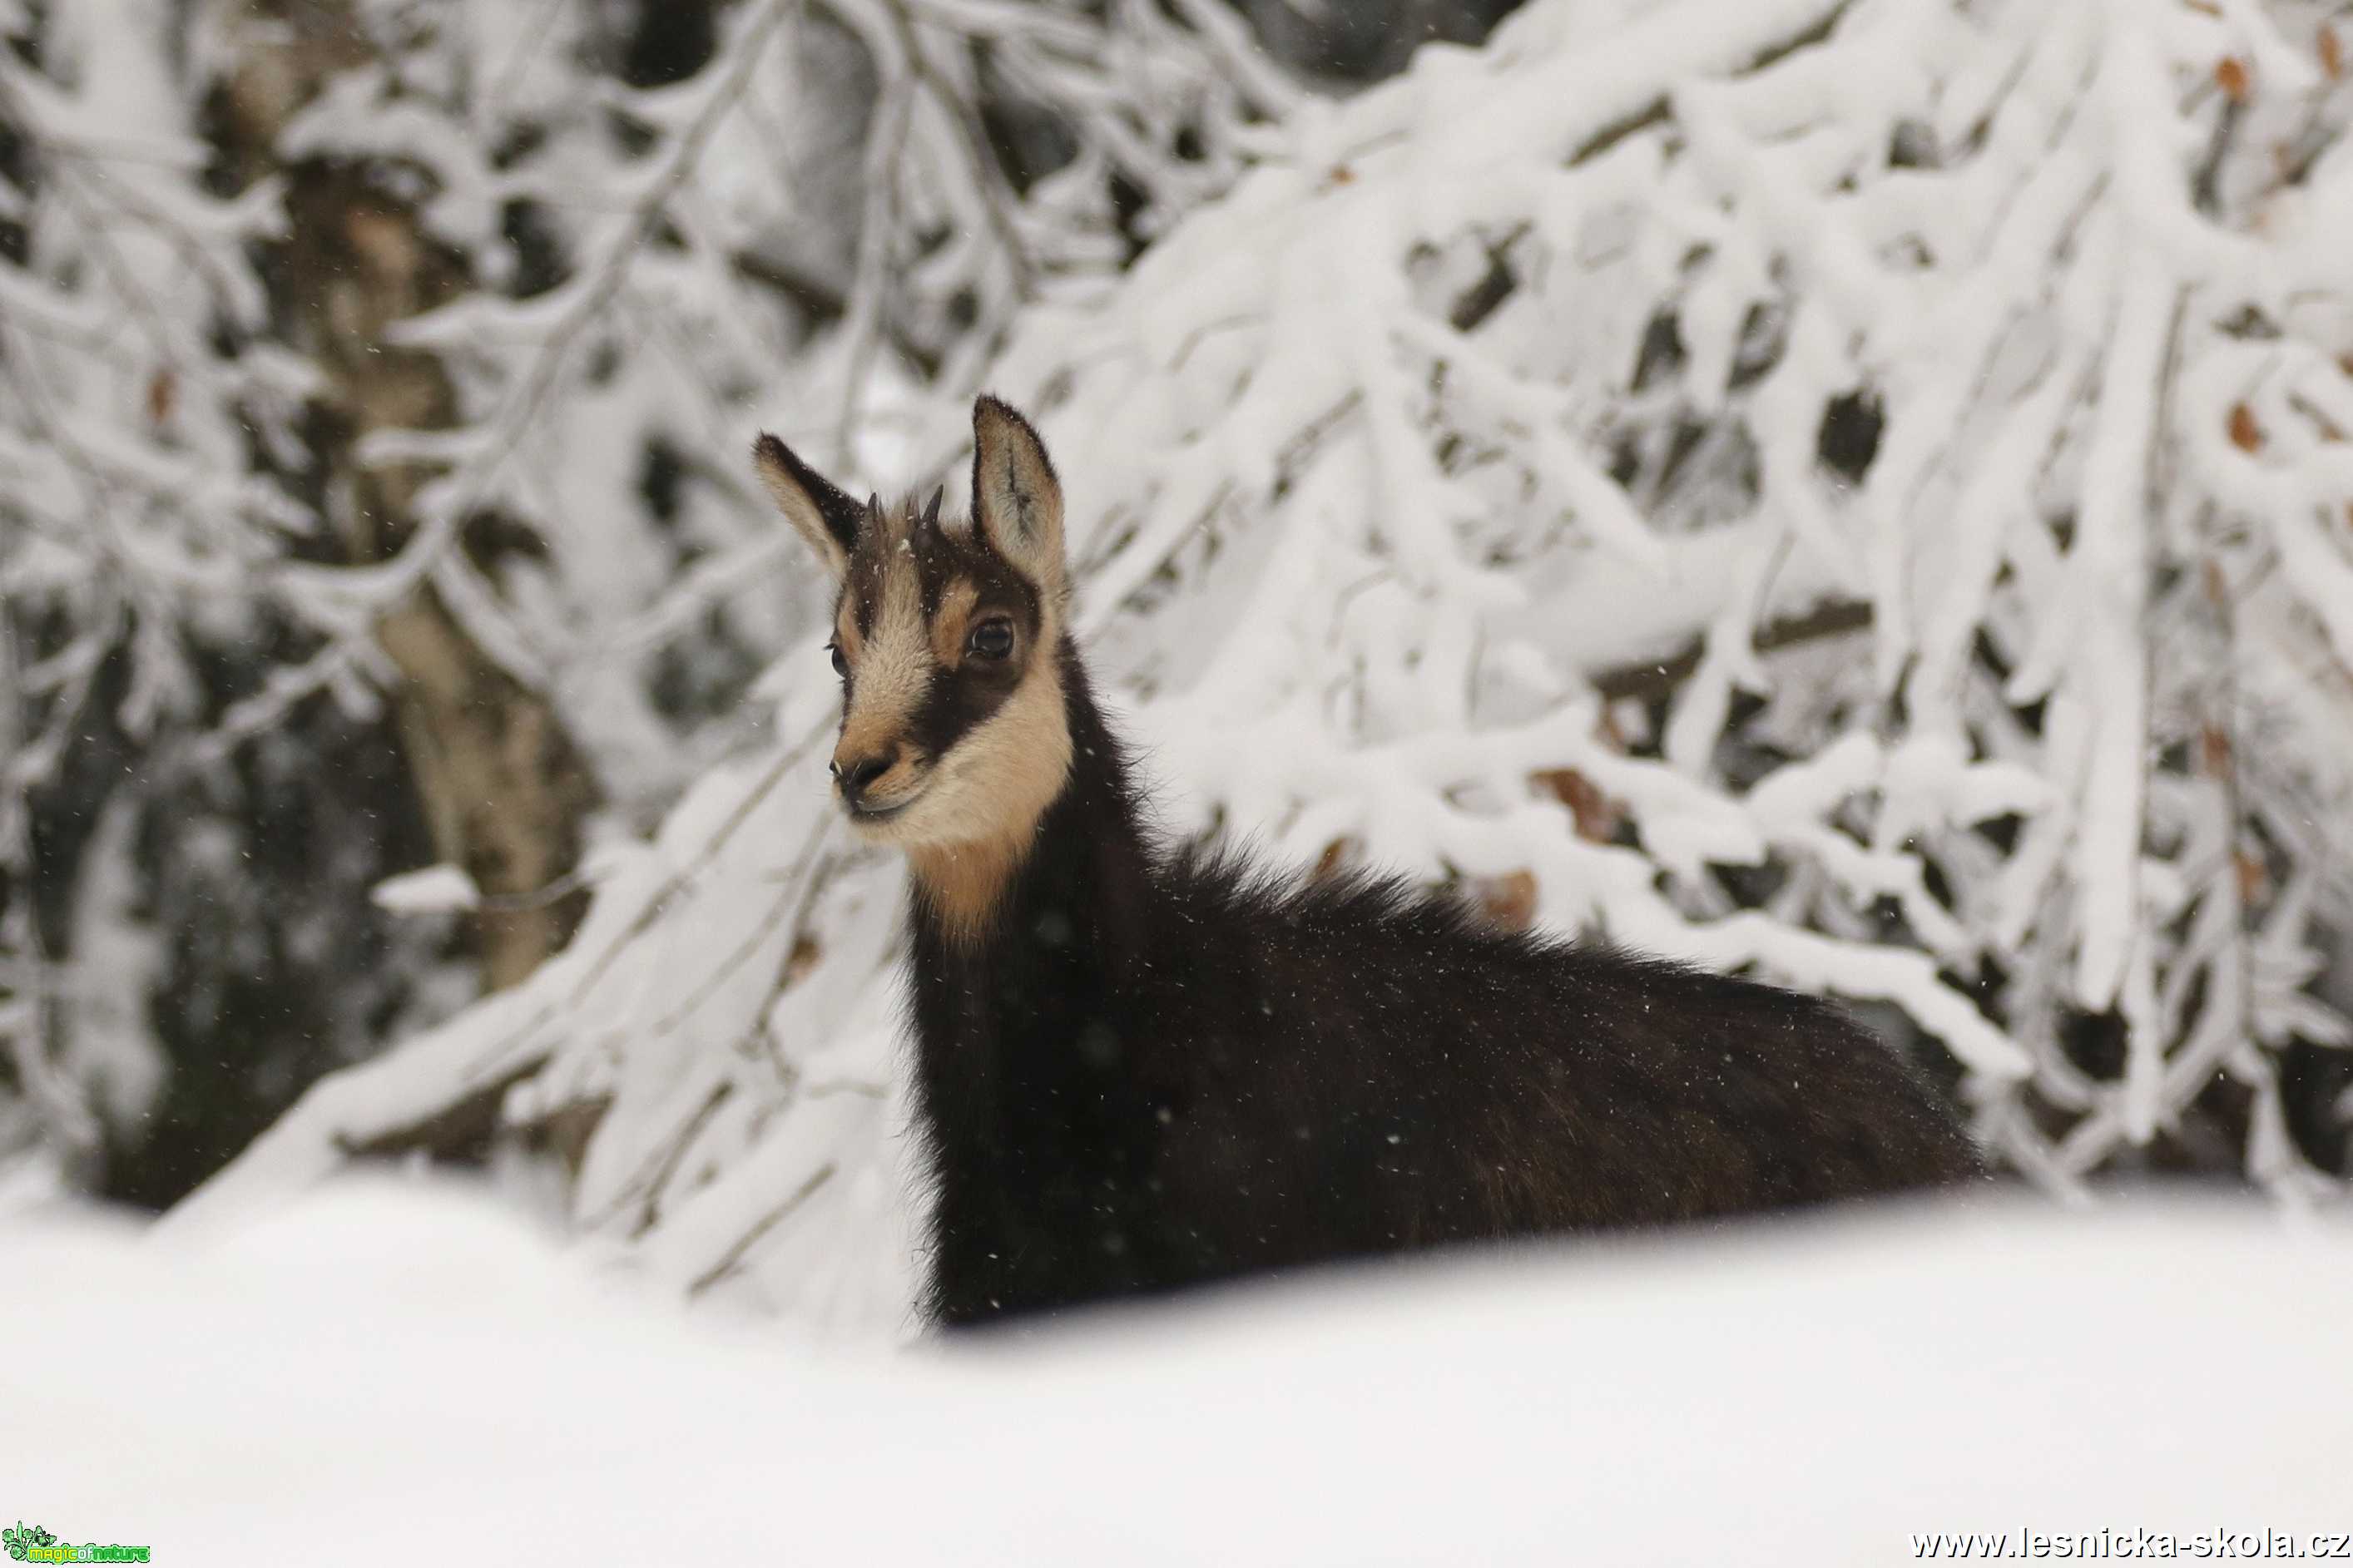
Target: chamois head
{"points": [[945, 634]]}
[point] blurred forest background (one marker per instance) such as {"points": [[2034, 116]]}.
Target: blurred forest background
{"points": [[1853, 489]]}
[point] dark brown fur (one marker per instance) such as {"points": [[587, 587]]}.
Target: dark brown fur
{"points": [[1137, 1071]]}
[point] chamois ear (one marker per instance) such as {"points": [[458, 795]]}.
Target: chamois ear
{"points": [[828, 519], [1016, 501]]}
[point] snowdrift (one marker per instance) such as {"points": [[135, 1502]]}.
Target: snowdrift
{"points": [[389, 1371]]}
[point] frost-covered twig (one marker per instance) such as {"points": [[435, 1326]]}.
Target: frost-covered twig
{"points": [[1795, 557]]}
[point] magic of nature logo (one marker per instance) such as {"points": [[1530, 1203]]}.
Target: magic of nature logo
{"points": [[31, 1544]]}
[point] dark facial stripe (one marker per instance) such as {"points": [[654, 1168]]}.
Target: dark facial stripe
{"points": [[960, 693]]}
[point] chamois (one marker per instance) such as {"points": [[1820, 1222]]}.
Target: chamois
{"points": [[1137, 1069]]}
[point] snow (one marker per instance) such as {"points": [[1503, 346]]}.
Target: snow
{"points": [[433, 889], [1358, 566], [397, 1368], [1356, 575]]}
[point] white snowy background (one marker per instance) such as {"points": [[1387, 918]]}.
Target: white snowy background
{"points": [[1856, 490], [1362, 571], [379, 1373]]}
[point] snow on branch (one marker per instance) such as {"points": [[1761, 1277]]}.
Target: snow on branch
{"points": [[459, 313], [1850, 489]]}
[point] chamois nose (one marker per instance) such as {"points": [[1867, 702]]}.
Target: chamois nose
{"points": [[853, 774]]}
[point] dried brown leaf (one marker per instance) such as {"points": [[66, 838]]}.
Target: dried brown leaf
{"points": [[2214, 750], [1598, 817], [1335, 859], [2245, 434], [2254, 880], [1509, 901]]}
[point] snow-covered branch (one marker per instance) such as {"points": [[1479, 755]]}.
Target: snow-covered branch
{"points": [[1935, 397]]}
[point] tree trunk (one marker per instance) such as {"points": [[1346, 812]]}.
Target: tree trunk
{"points": [[503, 787]]}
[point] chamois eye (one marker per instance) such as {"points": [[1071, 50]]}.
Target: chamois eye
{"points": [[840, 665], [992, 638]]}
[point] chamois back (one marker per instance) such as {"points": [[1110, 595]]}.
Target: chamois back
{"points": [[1137, 1071]]}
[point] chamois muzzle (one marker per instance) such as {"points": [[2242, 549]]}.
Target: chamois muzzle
{"points": [[854, 776]]}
